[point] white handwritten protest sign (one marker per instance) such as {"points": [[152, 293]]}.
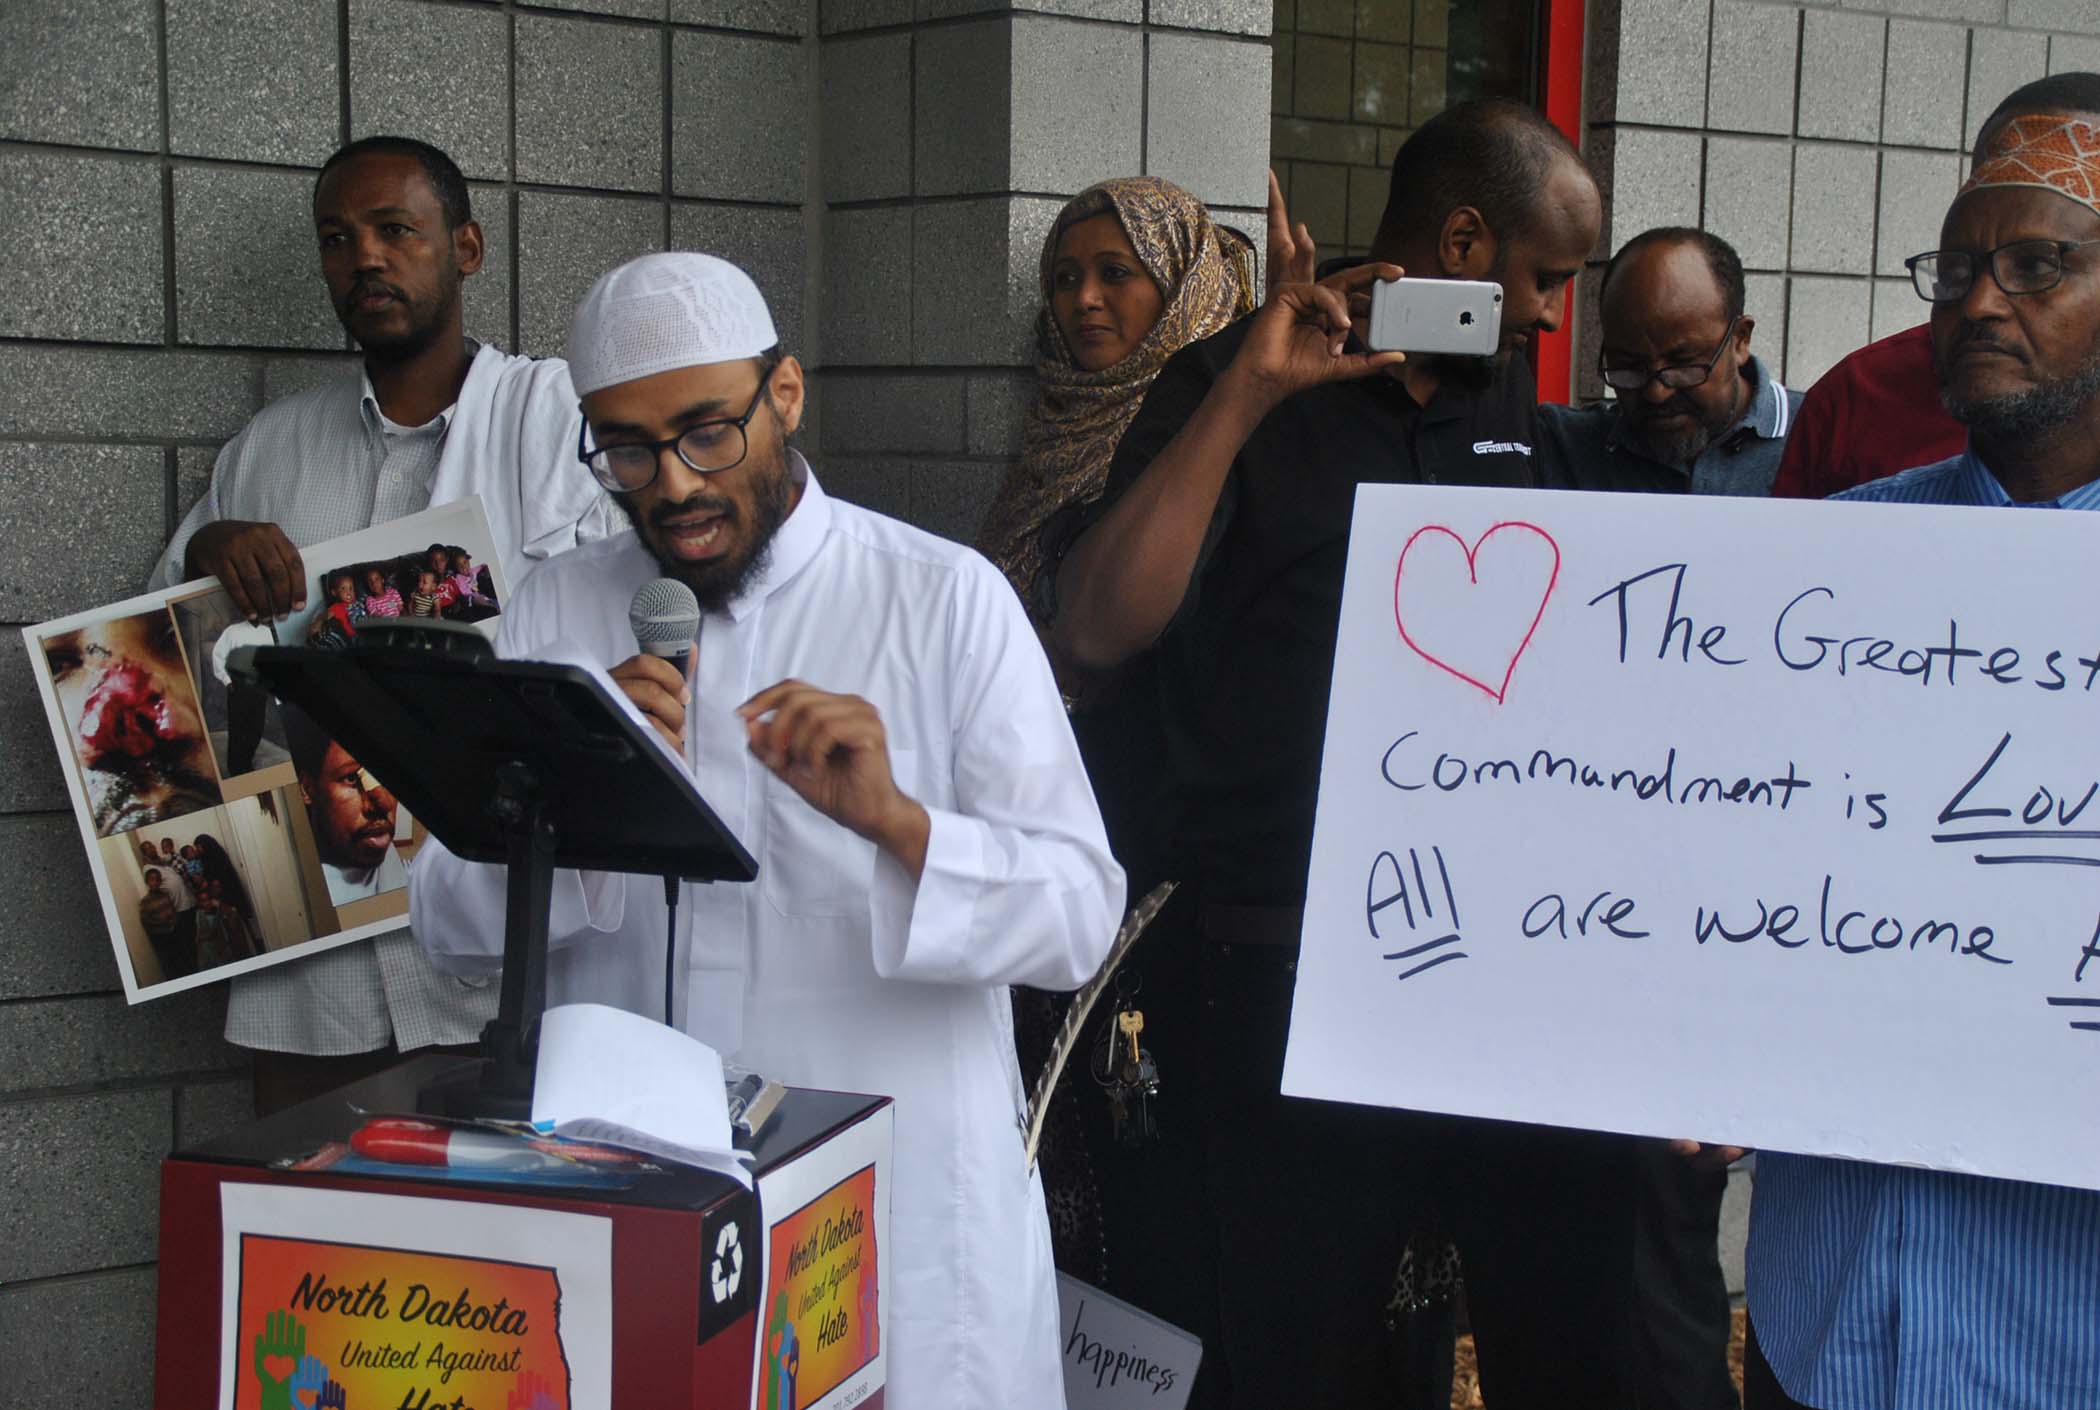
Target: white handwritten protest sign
{"points": [[1759, 822], [1118, 1356]]}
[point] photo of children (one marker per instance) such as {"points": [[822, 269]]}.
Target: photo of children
{"points": [[224, 834], [133, 723], [213, 888], [240, 720]]}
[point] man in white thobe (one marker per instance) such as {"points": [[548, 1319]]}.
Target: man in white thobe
{"points": [[870, 713]]}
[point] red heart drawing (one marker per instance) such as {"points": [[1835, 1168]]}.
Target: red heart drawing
{"points": [[1456, 640], [279, 1368]]}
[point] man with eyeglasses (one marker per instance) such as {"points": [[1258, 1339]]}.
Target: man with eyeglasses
{"points": [[1696, 410], [427, 418], [1878, 1287], [869, 710]]}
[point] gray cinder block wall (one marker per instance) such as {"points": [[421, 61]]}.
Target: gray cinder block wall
{"points": [[885, 168], [1822, 140]]}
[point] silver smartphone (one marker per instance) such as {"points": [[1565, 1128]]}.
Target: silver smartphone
{"points": [[1457, 316]]}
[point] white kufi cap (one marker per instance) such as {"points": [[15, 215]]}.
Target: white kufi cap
{"points": [[664, 311]]}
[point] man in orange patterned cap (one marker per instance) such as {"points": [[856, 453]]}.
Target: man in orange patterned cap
{"points": [[1877, 1287]]}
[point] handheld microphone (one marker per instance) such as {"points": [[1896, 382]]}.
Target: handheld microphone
{"points": [[666, 617]]}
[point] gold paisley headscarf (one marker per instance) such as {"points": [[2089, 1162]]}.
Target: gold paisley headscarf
{"points": [[1205, 274]]}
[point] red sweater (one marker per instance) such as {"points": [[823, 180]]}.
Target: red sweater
{"points": [[1878, 411]]}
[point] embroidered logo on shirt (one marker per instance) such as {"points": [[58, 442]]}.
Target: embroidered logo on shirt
{"points": [[1500, 448]]}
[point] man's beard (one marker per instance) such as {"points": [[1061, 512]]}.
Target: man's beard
{"points": [[426, 321], [716, 582], [1685, 446], [2036, 412]]}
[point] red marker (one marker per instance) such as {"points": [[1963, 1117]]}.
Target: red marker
{"points": [[403, 1142]]}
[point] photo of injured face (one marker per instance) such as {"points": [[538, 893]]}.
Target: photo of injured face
{"points": [[132, 717]]}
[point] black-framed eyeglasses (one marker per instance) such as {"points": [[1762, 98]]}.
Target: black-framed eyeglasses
{"points": [[707, 447], [1676, 378], [2020, 267]]}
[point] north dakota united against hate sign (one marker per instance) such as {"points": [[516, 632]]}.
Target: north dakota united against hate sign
{"points": [[1767, 823]]}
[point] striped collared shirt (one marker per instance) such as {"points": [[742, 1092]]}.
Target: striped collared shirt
{"points": [[1877, 1287]]}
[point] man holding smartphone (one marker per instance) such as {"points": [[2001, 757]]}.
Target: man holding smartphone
{"points": [[1220, 544]]}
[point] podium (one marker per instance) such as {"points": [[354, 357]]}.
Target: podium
{"points": [[644, 1288]]}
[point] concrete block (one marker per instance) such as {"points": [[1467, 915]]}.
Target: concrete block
{"points": [[1833, 223], [1749, 181], [440, 73], [1206, 121], [1433, 23], [1123, 11], [564, 244], [1976, 11], [894, 413], [2069, 53], [246, 271], [1735, 1229], [55, 943], [1390, 140], [83, 1182], [254, 80], [1325, 78], [1059, 68], [1320, 202], [1381, 82], [1750, 71], [623, 9], [739, 107], [1896, 307], [193, 465], [1841, 63], [1647, 63], [205, 1111], [100, 1039], [1389, 21], [2079, 16], [963, 125], [1286, 16], [80, 248], [282, 376], [29, 776], [1764, 299], [59, 391], [758, 16], [949, 498], [1650, 178], [88, 76], [870, 482], [1282, 66], [841, 16], [1588, 335], [1916, 189], [82, 1341], [1999, 61], [1426, 88], [487, 290], [596, 118], [867, 287], [867, 117], [1926, 66], [980, 310], [85, 524], [1368, 188], [766, 244], [995, 405], [1826, 319], [1329, 17], [1217, 16]]}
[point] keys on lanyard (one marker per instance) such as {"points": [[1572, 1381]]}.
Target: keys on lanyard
{"points": [[1129, 1077]]}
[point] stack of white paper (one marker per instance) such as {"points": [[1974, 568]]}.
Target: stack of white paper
{"points": [[617, 1078]]}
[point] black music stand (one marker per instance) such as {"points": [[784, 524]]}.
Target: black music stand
{"points": [[519, 762]]}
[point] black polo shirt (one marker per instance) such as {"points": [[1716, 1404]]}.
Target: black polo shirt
{"points": [[1243, 669]]}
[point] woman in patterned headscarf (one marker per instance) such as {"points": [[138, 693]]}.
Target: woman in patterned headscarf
{"points": [[1133, 271]]}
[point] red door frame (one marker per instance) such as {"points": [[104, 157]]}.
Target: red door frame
{"points": [[1560, 97]]}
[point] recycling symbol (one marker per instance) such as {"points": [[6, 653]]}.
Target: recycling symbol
{"points": [[727, 1268]]}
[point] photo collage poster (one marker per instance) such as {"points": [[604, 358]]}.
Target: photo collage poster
{"points": [[227, 833]]}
